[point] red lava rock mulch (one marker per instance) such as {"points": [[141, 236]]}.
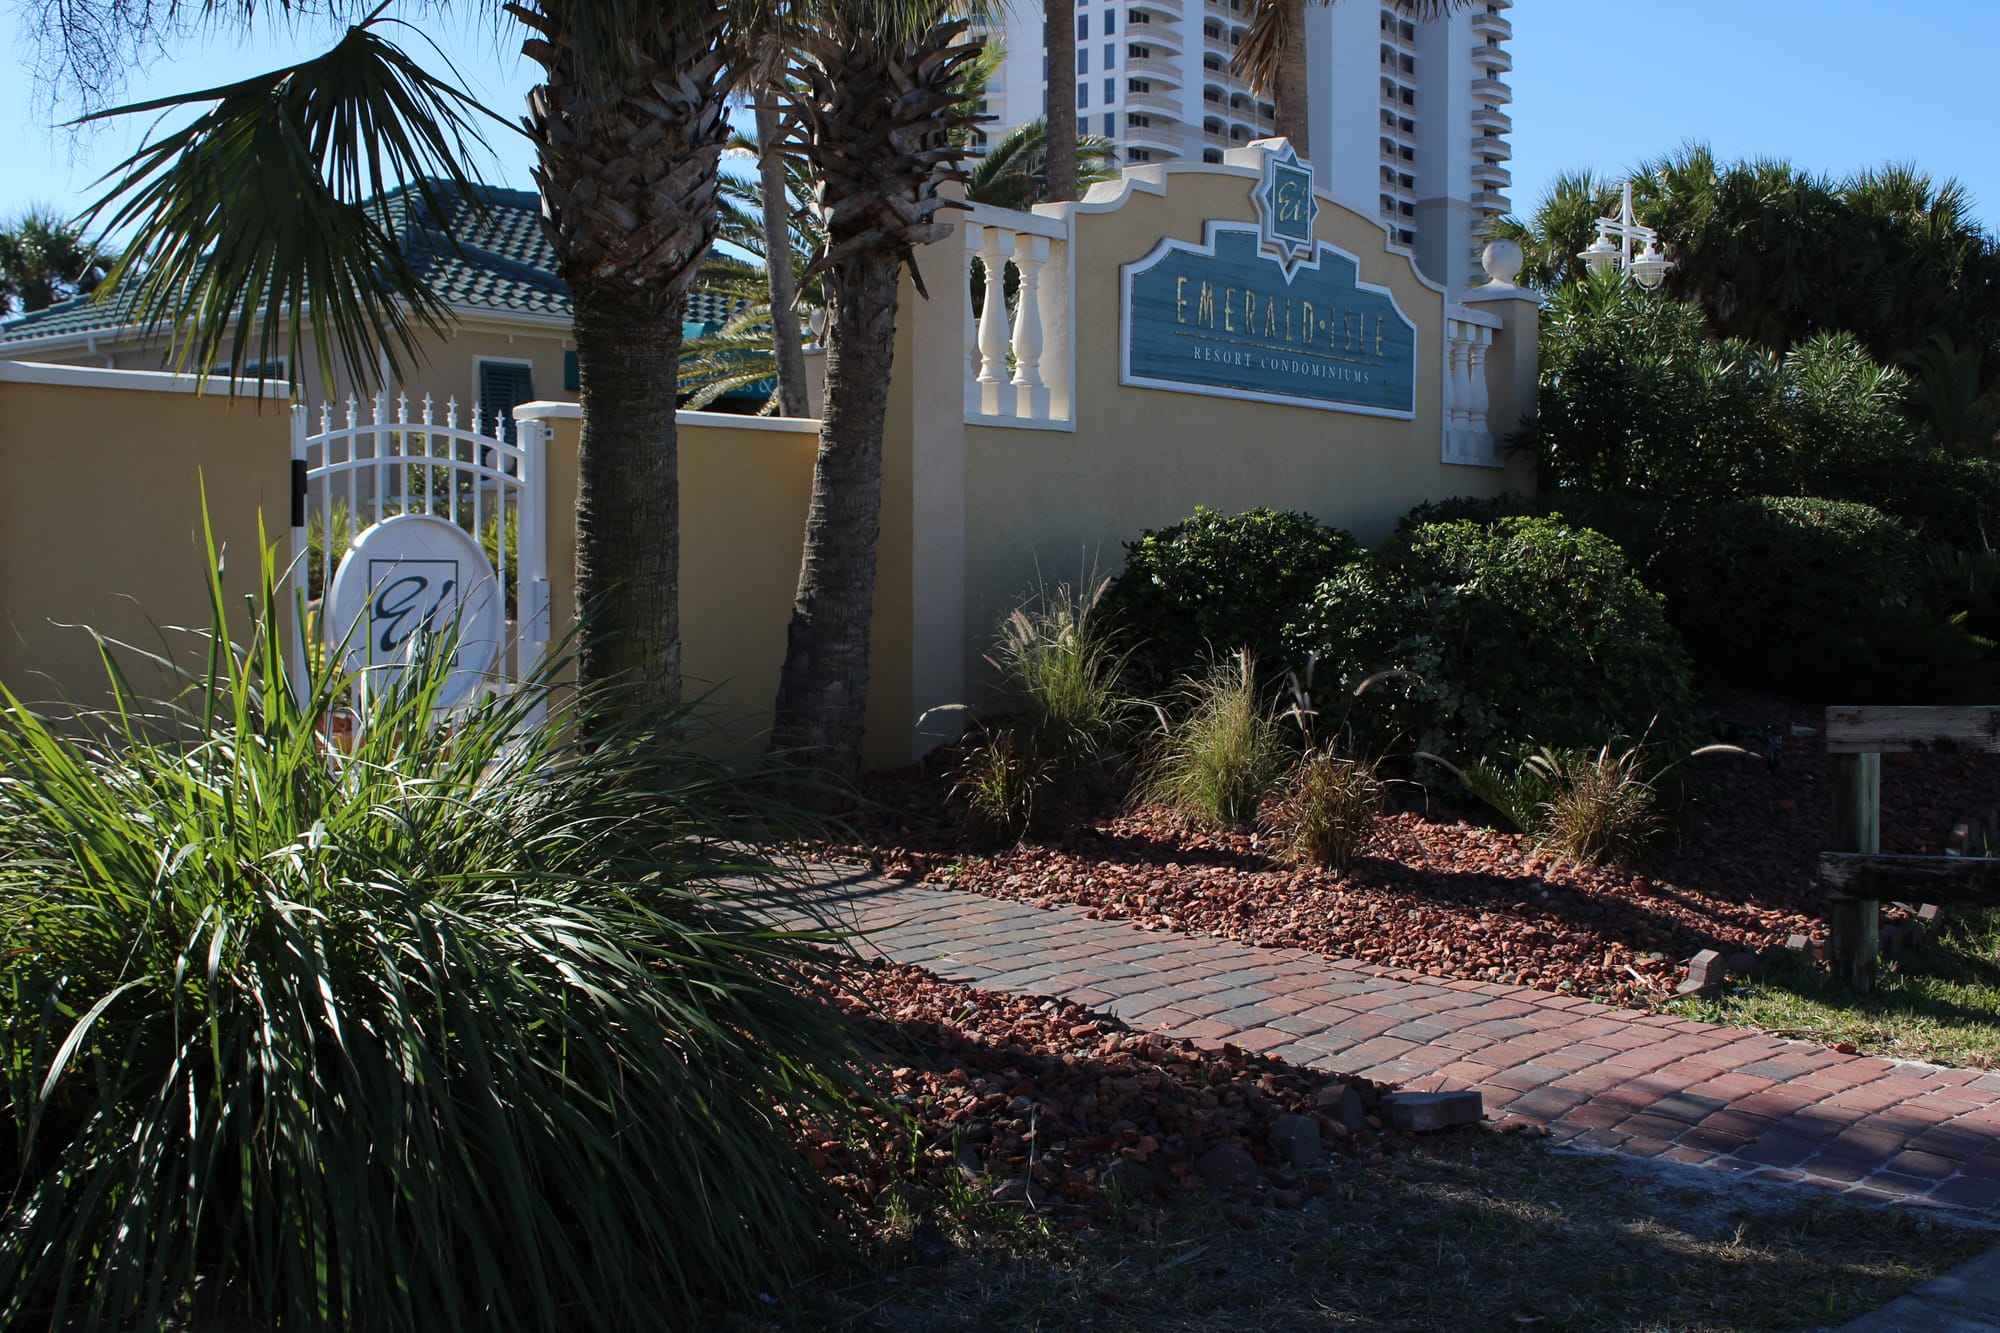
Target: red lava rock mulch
{"points": [[1049, 1104], [1441, 893]]}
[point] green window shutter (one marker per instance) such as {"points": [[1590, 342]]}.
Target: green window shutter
{"points": [[503, 386], [572, 379]]}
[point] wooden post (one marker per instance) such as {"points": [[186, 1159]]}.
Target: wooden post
{"points": [[1857, 827]]}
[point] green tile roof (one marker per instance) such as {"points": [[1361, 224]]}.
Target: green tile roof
{"points": [[502, 263]]}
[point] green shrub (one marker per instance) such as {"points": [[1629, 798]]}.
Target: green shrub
{"points": [[1522, 627], [1215, 763], [1213, 583], [1325, 808], [469, 1028], [1955, 501], [1643, 529], [1781, 593], [1636, 396]]}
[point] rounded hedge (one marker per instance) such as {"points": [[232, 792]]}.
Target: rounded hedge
{"points": [[1214, 583], [1786, 593], [1516, 630]]}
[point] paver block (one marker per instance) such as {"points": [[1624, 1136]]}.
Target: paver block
{"points": [[1425, 1112]]}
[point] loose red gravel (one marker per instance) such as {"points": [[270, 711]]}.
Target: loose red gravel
{"points": [[1037, 1100], [1443, 893]]}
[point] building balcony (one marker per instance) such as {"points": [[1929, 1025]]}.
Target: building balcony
{"points": [[1490, 201], [1155, 137], [1488, 146], [1159, 104], [1492, 120], [1155, 31], [1492, 57], [1225, 8], [1394, 102], [1487, 175], [1493, 26], [1492, 90], [1157, 68], [1152, 14]]}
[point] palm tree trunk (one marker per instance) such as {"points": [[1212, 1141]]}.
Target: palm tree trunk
{"points": [[786, 340], [628, 499], [1290, 94], [823, 688], [1060, 148], [627, 161]]}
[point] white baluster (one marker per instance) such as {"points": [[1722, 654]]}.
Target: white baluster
{"points": [[1031, 395], [995, 248], [1458, 392], [1482, 435]]}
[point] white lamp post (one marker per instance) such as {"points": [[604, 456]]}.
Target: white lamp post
{"points": [[1615, 243]]}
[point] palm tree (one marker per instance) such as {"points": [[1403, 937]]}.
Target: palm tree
{"points": [[882, 80], [1554, 235], [774, 215], [741, 354], [259, 206], [1018, 171], [1272, 58], [1059, 17], [44, 259]]}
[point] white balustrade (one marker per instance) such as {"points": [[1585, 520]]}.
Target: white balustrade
{"points": [[1019, 358], [1468, 436]]}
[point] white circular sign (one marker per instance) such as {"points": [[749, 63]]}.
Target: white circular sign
{"points": [[409, 575]]}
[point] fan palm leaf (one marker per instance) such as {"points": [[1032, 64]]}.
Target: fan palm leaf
{"points": [[262, 205]]}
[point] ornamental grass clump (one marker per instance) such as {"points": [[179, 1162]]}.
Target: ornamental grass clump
{"points": [[464, 1026], [1600, 807], [1326, 808], [1217, 762], [1066, 721], [1590, 807], [1058, 674]]}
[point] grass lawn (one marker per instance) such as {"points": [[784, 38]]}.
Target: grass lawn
{"points": [[1469, 1230], [1940, 1003]]}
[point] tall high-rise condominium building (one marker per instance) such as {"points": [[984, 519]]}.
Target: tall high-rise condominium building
{"points": [[1407, 120]]}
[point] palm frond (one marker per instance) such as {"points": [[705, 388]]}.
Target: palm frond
{"points": [[254, 220]]}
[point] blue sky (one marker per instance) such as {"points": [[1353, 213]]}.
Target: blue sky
{"points": [[1832, 84]]}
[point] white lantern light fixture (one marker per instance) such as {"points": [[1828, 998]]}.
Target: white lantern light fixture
{"points": [[1648, 268], [1601, 255]]}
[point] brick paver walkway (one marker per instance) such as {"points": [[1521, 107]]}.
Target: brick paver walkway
{"points": [[1598, 1077]]}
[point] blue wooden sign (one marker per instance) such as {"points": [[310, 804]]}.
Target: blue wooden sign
{"points": [[1265, 313]]}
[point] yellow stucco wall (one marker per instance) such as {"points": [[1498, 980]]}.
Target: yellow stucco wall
{"points": [[746, 484], [1053, 504], [100, 521]]}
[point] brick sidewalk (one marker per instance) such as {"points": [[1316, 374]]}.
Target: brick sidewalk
{"points": [[1602, 1078]]}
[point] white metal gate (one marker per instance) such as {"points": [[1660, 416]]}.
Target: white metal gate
{"points": [[359, 468]]}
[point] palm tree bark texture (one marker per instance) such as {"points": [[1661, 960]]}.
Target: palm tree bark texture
{"points": [[1272, 58], [627, 165], [1060, 18], [882, 102], [787, 345]]}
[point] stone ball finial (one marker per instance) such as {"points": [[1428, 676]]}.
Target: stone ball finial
{"points": [[1502, 261]]}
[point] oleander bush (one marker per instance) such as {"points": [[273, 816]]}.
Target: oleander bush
{"points": [[1215, 583], [1636, 396], [1499, 631], [463, 1027]]}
